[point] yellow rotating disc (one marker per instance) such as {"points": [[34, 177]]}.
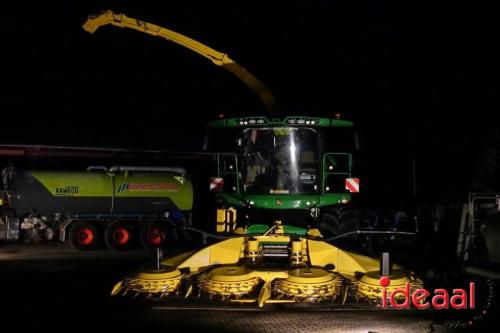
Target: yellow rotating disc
{"points": [[308, 285], [369, 286], [228, 281], [150, 283]]}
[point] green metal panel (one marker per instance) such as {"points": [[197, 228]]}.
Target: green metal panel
{"points": [[288, 229], [135, 184], [75, 184], [244, 122], [287, 201]]}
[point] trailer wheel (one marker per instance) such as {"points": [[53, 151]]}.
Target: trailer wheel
{"points": [[152, 236], [84, 236], [118, 236]]}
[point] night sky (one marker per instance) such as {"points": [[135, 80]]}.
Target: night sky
{"points": [[420, 78]]}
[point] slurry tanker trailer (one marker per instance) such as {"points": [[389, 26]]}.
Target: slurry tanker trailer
{"points": [[115, 206]]}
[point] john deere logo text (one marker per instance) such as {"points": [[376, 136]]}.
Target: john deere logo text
{"points": [[147, 187], [402, 298], [67, 190]]}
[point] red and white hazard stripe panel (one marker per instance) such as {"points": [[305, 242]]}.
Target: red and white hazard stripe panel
{"points": [[216, 184], [352, 185]]}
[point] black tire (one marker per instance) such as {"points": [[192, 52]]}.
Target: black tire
{"points": [[118, 236], [329, 225], [85, 236], [337, 221], [152, 236]]}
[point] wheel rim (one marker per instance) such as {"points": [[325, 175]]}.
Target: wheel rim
{"points": [[154, 236], [85, 236], [121, 236]]}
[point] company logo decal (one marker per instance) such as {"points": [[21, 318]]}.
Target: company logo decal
{"points": [[147, 187], [67, 190], [402, 298], [180, 179]]}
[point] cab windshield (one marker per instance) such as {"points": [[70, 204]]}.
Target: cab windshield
{"points": [[280, 160]]}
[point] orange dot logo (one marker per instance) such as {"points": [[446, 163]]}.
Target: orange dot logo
{"points": [[385, 281]]}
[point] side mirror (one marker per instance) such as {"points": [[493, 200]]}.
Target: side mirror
{"points": [[205, 141], [357, 141]]}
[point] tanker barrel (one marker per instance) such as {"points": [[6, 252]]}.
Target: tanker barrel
{"points": [[148, 169]]}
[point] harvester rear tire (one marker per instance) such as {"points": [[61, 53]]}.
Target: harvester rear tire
{"points": [[118, 236], [85, 236]]}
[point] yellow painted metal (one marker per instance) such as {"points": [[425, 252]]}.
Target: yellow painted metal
{"points": [[321, 253], [226, 270], [152, 282], [240, 231], [164, 273], [273, 238], [277, 228], [252, 245], [346, 263], [252, 249], [229, 274], [223, 253], [231, 219], [178, 259], [313, 232], [226, 219], [218, 58], [349, 263], [369, 287], [309, 275], [269, 301], [221, 215], [398, 278], [270, 275], [296, 246], [309, 285], [228, 281], [265, 294], [117, 288], [243, 300], [297, 252]]}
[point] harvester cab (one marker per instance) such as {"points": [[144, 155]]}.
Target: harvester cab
{"points": [[281, 170]]}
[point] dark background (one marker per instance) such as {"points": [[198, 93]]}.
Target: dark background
{"points": [[420, 79]]}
